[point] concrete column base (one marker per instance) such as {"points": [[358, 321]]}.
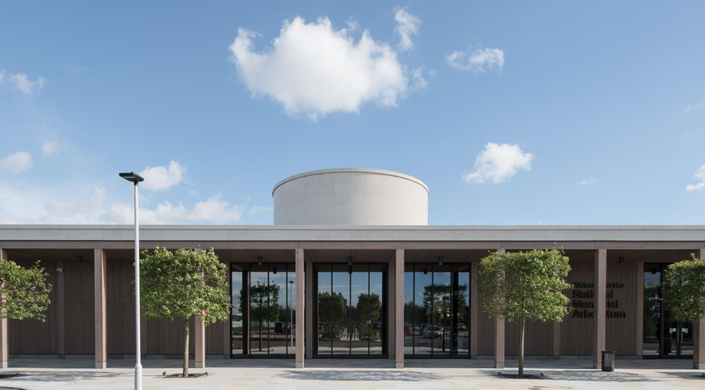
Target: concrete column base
{"points": [[399, 365], [299, 364], [200, 364], [101, 365], [499, 365], [597, 365], [699, 365], [3, 365]]}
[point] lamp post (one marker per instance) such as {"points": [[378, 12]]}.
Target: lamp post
{"points": [[136, 179]]}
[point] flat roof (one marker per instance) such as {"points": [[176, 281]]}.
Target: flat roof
{"points": [[318, 233]]}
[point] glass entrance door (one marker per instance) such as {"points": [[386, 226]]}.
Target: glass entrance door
{"points": [[437, 311], [663, 336], [351, 307], [263, 310]]}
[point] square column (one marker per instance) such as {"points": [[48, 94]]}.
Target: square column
{"points": [[699, 336], [3, 326], [474, 309], [101, 353], [600, 306], [310, 322], [499, 338], [300, 308], [200, 338], [399, 309]]}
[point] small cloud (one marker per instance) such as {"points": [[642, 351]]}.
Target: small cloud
{"points": [[586, 182], [16, 163], [2, 76], [478, 61], [700, 175], [162, 178], [213, 210], [498, 163], [420, 77], [260, 209], [408, 25], [694, 107], [49, 148], [23, 84]]}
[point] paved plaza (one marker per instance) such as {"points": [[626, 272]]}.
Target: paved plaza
{"points": [[355, 374]]}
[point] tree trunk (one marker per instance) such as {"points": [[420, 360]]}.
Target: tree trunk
{"points": [[521, 348], [185, 372]]}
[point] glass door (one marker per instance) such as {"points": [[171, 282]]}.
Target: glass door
{"points": [[663, 336], [350, 310], [263, 310], [437, 311]]}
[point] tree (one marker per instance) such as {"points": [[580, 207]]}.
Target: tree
{"points": [[684, 287], [25, 291], [520, 286], [183, 284]]}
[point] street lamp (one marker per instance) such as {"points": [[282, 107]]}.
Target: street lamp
{"points": [[136, 179]]}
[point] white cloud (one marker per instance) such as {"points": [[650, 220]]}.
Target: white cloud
{"points": [[212, 210], [49, 147], [586, 182], [693, 107], [478, 61], [162, 178], [16, 163], [700, 175], [497, 163], [419, 80], [313, 69], [31, 204], [260, 209], [25, 85], [407, 26], [2, 76]]}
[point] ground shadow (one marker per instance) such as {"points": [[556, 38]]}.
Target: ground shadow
{"points": [[695, 375], [595, 376], [361, 375], [60, 376]]}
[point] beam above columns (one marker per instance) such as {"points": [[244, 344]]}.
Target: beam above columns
{"points": [[399, 310], [600, 277], [101, 355], [300, 309]]}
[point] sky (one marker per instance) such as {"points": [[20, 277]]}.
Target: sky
{"points": [[513, 113]]}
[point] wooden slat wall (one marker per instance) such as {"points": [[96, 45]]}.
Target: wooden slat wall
{"points": [[485, 331], [214, 339], [159, 337], [620, 331], [577, 334], [538, 338], [34, 337], [80, 311]]}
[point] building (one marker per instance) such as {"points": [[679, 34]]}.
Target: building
{"points": [[350, 268]]}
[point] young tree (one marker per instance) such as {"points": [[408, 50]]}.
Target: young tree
{"points": [[684, 288], [520, 286], [369, 308], [24, 292], [183, 284]]}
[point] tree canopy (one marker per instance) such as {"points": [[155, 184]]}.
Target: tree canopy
{"points": [[184, 283], [525, 285], [25, 291], [685, 289]]}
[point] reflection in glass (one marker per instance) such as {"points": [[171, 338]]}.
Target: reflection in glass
{"points": [[652, 310], [422, 317], [373, 308], [340, 313], [260, 313], [278, 326], [410, 330], [463, 310], [325, 306], [236, 318], [440, 334]]}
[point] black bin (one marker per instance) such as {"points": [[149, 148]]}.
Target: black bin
{"points": [[608, 358]]}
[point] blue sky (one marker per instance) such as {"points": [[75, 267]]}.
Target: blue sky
{"points": [[548, 113]]}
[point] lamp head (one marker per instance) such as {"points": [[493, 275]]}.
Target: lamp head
{"points": [[131, 177]]}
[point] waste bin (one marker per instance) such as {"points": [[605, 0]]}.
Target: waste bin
{"points": [[608, 360]]}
